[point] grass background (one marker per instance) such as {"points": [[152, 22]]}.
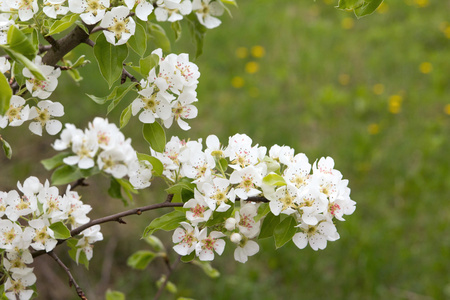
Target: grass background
{"points": [[371, 93]]}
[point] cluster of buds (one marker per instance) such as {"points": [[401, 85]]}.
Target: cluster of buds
{"points": [[36, 220]]}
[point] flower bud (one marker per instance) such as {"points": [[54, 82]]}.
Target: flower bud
{"points": [[230, 224], [236, 238]]}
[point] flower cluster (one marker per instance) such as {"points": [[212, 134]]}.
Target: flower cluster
{"points": [[169, 91], [101, 145], [35, 220], [41, 114], [278, 179], [117, 22]]}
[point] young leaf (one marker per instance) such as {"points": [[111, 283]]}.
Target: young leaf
{"points": [[63, 24], [60, 230], [207, 268], [176, 27], [6, 148], [110, 59], [5, 94], [158, 167], [268, 226], [284, 231], [55, 161], [274, 179], [155, 243], [140, 259], [138, 41], [166, 222], [114, 295], [125, 116], [154, 134]]}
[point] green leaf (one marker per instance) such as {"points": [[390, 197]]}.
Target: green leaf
{"points": [[110, 59], [176, 27], [188, 258], [284, 231], [158, 36], [127, 188], [158, 167], [198, 32], [114, 295], [89, 172], [274, 179], [120, 92], [63, 24], [263, 210], [81, 62], [154, 134], [268, 226], [5, 94], [60, 230], [125, 116], [65, 174], [349, 4], [147, 63], [19, 42], [138, 41], [16, 56], [231, 2], [115, 190], [184, 183], [367, 8], [140, 259], [6, 148], [75, 75], [55, 161], [218, 217], [207, 268], [82, 259], [166, 222]]}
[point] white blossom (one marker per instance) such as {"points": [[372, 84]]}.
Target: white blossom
{"points": [[207, 11], [119, 27]]}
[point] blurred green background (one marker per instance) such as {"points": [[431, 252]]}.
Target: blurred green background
{"points": [[373, 93]]}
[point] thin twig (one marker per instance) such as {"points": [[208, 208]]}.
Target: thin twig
{"points": [[79, 182], [72, 281], [166, 280], [89, 42], [255, 199], [125, 75]]}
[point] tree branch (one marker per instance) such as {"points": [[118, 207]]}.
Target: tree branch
{"points": [[64, 45], [117, 218], [72, 281], [166, 280]]}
